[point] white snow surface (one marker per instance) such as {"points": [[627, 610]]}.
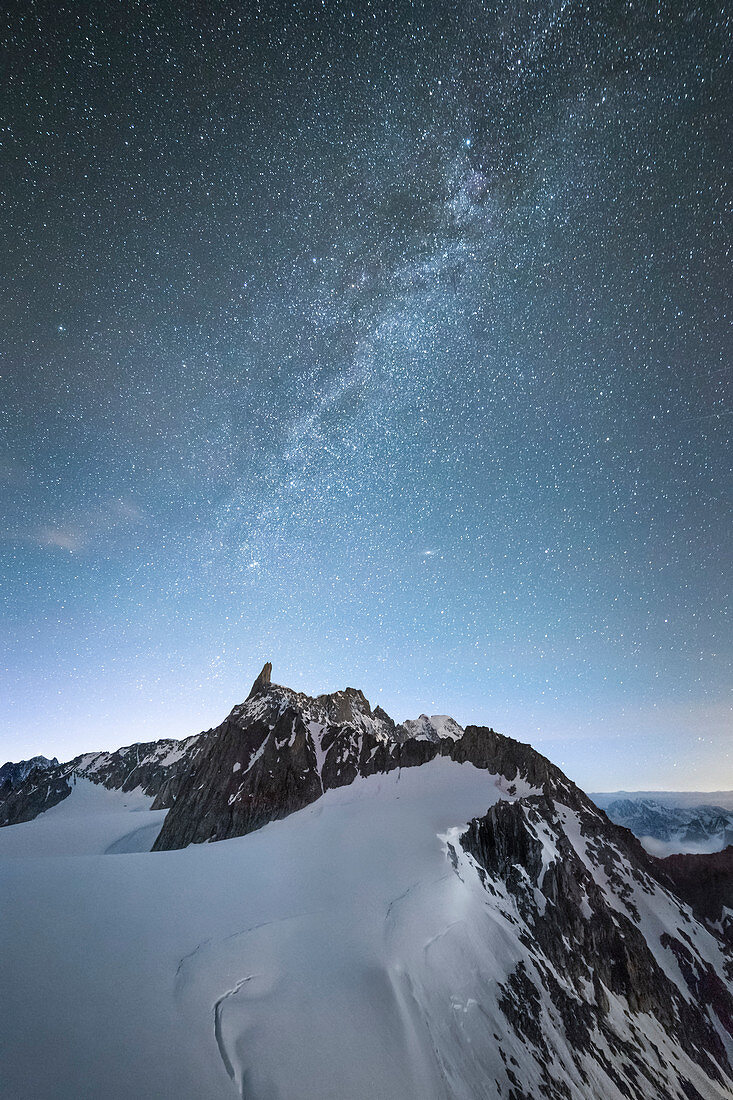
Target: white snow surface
{"points": [[89, 821]]}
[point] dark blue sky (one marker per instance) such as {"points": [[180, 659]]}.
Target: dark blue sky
{"points": [[386, 342]]}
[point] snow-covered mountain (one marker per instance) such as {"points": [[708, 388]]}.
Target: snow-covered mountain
{"points": [[13, 773], [666, 825], [685, 799], [436, 916], [433, 728], [153, 768]]}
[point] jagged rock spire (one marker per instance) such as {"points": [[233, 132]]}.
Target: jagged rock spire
{"points": [[263, 680]]}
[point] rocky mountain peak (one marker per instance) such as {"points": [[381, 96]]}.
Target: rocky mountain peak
{"points": [[262, 682], [277, 752], [433, 728], [13, 773], [347, 706]]}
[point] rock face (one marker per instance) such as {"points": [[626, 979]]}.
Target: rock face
{"points": [[706, 884], [262, 682], [12, 774], [613, 957], [276, 753], [27, 787]]}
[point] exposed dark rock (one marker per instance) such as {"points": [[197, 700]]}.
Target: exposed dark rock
{"points": [[705, 882], [262, 682], [13, 773], [40, 790], [278, 752]]}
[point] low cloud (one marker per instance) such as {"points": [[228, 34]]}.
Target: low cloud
{"points": [[97, 525], [62, 538]]}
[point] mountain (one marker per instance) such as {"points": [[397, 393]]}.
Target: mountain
{"points": [[684, 799], [705, 881], [667, 825], [433, 728], [404, 911], [12, 773], [154, 768], [277, 752]]}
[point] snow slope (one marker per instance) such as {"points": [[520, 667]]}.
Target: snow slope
{"points": [[366, 947], [90, 821], [208, 962]]}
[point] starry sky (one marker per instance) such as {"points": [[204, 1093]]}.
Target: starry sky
{"points": [[385, 341]]}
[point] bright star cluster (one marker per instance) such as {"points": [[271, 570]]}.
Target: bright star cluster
{"points": [[386, 341]]}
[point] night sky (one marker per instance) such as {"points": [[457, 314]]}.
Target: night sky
{"points": [[384, 341]]}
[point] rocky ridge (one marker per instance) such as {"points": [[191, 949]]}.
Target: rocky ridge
{"points": [[705, 881], [613, 956], [154, 767], [13, 773], [280, 750], [276, 753]]}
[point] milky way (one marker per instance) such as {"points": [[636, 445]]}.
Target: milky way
{"points": [[386, 342]]}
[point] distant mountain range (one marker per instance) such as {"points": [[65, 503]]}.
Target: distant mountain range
{"points": [[12, 774], [670, 822], [409, 910]]}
